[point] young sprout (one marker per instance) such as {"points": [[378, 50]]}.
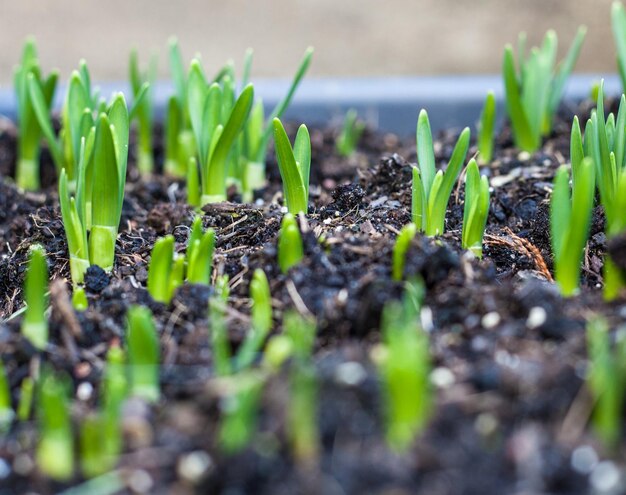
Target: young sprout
{"points": [[431, 191], [290, 246], [260, 320], [404, 370], [91, 216], [6, 410], [295, 166], [114, 392], [141, 85], [475, 210], [55, 452], [486, 129], [239, 411], [570, 215], [259, 131], [200, 248], [400, 248], [350, 134], [219, 328], [193, 183], [93, 458], [28, 145], [143, 354], [35, 323], [605, 143], [302, 411], [533, 91], [606, 379], [216, 131], [162, 278], [25, 404]]}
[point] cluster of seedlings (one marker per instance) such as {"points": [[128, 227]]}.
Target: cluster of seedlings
{"points": [[216, 139]]}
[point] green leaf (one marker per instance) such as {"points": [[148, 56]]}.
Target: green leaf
{"points": [[522, 132], [425, 153], [565, 69], [577, 152], [418, 201], [294, 189], [400, 248], [42, 112], [35, 324], [486, 128], [560, 211], [143, 354], [201, 259], [118, 116], [160, 269], [302, 154], [106, 179], [290, 246], [618, 23]]}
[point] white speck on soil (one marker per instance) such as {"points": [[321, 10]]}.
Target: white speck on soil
{"points": [[584, 459], [491, 320], [84, 391], [350, 373], [140, 481], [442, 377], [537, 316], [605, 478], [194, 466]]}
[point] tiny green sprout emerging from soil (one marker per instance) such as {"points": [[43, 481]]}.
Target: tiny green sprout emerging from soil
{"points": [[475, 210], [6, 410], [606, 379], [400, 248], [200, 249], [141, 84], [486, 128], [91, 215], [605, 142], [217, 120], [295, 167], [534, 89], [25, 404], [350, 134], [219, 329], [35, 323], [570, 215], [260, 320], [28, 73], [143, 354], [405, 368], [114, 391], [55, 452], [431, 190], [162, 277], [290, 246], [302, 411]]}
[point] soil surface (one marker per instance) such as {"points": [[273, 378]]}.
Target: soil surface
{"points": [[511, 410]]}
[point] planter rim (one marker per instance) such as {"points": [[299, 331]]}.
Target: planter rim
{"points": [[387, 103]]}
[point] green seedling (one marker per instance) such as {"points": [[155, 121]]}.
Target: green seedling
{"points": [[259, 131], [239, 411], [6, 409], [431, 191], [92, 457], [290, 245], [28, 72], [219, 329], [405, 370], [55, 452], [143, 354], [141, 84], [295, 166], [91, 216], [216, 123], [476, 209], [302, 426], [534, 89], [605, 143], [570, 215], [260, 320], [35, 323], [200, 248], [350, 134], [486, 129], [25, 404], [400, 248], [606, 379]]}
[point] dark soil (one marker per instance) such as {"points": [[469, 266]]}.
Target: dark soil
{"points": [[508, 352]]}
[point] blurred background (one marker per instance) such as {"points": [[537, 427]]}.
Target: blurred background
{"points": [[351, 37]]}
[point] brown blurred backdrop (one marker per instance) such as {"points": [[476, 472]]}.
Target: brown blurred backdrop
{"points": [[351, 37]]}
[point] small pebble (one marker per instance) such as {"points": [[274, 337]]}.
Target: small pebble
{"points": [[194, 466], [584, 459], [84, 391], [5, 469], [426, 318], [350, 373], [537, 316], [605, 477], [491, 320], [442, 377], [486, 424], [140, 481]]}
